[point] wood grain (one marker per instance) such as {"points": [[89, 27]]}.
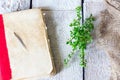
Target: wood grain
{"points": [[98, 65], [57, 4], [13, 5], [93, 0]]}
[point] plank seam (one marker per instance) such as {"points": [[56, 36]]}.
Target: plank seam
{"points": [[30, 4], [82, 5]]}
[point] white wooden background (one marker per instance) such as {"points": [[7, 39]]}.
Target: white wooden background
{"points": [[98, 67], [59, 13]]}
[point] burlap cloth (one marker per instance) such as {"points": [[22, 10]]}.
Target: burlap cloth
{"points": [[109, 35]]}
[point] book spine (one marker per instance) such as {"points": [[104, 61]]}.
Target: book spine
{"points": [[5, 70]]}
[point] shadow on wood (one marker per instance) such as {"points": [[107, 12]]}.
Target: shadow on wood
{"points": [[51, 25]]}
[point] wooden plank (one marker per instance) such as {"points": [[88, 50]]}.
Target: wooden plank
{"points": [[98, 64], [58, 31], [57, 22], [57, 4], [13, 5], [93, 0]]}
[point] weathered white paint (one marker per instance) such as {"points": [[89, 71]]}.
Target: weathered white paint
{"points": [[93, 0], [57, 4], [98, 66], [13, 5]]}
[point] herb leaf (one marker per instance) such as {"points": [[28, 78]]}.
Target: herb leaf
{"points": [[80, 36]]}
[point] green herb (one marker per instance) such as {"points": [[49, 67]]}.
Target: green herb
{"points": [[80, 36]]}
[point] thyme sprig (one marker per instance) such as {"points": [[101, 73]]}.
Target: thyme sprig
{"points": [[80, 36]]}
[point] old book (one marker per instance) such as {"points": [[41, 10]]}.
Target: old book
{"points": [[28, 45]]}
